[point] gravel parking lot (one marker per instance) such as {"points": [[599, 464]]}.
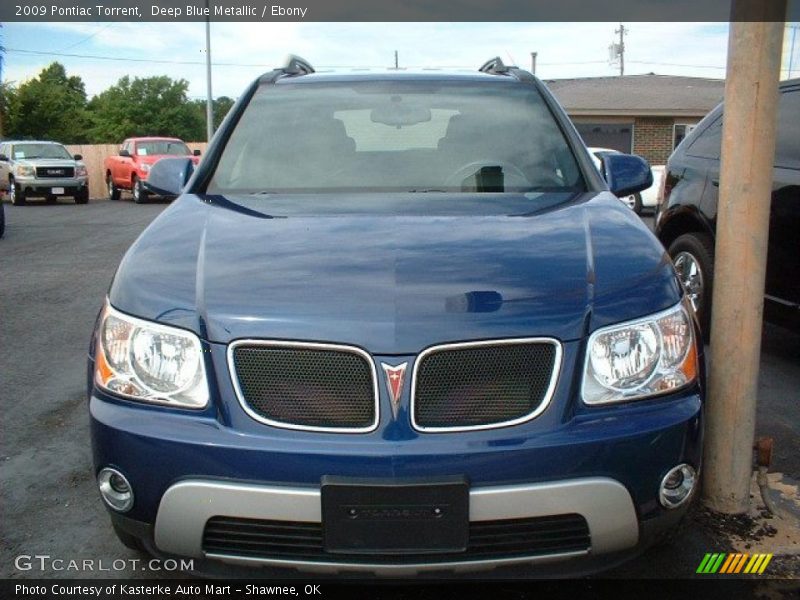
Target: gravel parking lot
{"points": [[56, 263]]}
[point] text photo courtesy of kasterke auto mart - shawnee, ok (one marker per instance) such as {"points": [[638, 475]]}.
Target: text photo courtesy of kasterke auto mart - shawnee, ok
{"points": [[404, 300]]}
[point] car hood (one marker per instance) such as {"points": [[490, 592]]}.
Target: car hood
{"points": [[150, 159], [420, 271], [47, 162]]}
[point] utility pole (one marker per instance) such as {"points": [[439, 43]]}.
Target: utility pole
{"points": [[533, 62], [621, 31], [755, 45], [209, 97], [396, 61]]}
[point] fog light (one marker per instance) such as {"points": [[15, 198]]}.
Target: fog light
{"points": [[115, 489], [677, 486]]}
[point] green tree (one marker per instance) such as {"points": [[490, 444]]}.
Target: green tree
{"points": [[8, 99], [145, 106], [50, 106], [221, 107]]}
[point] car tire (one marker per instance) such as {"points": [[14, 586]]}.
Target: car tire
{"points": [[129, 541], [2, 220], [140, 195], [693, 257], [113, 190], [82, 197], [16, 193]]}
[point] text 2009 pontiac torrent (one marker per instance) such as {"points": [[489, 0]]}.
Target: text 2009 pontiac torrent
{"points": [[392, 324]]}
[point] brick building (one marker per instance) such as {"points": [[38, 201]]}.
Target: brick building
{"points": [[644, 114]]}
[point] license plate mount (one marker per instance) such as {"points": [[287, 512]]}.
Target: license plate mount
{"points": [[399, 517]]}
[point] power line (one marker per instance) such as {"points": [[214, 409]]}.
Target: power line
{"points": [[88, 37], [663, 64], [128, 59]]}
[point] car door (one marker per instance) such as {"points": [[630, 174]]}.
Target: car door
{"points": [[783, 259], [121, 172]]}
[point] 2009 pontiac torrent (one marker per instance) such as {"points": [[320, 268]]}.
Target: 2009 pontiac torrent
{"points": [[392, 325]]}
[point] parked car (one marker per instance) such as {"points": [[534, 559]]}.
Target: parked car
{"points": [[129, 169], [687, 216], [647, 198], [392, 324], [41, 169]]}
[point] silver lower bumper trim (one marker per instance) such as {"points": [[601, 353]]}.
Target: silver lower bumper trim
{"points": [[186, 506]]}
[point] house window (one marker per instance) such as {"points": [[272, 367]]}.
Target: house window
{"points": [[680, 131]]}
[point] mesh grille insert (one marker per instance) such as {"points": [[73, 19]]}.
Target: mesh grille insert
{"points": [[482, 385], [311, 387]]}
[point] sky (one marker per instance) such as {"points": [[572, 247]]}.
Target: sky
{"points": [[242, 51]]}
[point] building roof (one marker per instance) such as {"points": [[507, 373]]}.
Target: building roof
{"points": [[638, 95]]}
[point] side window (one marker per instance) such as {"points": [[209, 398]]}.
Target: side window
{"points": [[128, 145], [787, 147], [708, 143]]}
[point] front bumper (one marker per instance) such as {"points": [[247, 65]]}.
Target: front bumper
{"points": [[188, 505], [605, 466], [35, 186]]}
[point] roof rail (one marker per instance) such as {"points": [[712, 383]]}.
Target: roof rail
{"points": [[496, 66], [297, 66], [294, 66]]}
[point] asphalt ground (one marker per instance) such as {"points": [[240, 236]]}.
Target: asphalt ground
{"points": [[56, 262]]}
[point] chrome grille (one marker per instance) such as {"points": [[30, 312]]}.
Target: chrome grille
{"points": [[479, 385], [317, 387], [45, 172]]}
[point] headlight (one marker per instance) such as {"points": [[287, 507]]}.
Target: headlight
{"points": [[80, 171], [145, 168], [149, 362], [25, 171], [641, 358]]}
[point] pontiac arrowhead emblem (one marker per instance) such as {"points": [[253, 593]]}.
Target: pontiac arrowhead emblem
{"points": [[394, 384]]}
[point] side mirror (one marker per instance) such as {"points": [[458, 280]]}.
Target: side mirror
{"points": [[3, 158], [169, 176], [626, 174], [78, 157], [196, 153], [124, 153]]}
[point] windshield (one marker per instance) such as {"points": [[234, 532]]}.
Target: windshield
{"points": [[40, 151], [396, 136], [159, 147]]}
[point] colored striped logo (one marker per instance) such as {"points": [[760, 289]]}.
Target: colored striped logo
{"points": [[753, 564]]}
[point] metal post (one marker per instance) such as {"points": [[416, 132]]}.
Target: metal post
{"points": [[621, 31], [791, 49], [748, 149], [533, 62], [396, 61], [209, 97]]}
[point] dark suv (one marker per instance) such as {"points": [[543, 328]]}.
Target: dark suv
{"points": [[687, 213]]}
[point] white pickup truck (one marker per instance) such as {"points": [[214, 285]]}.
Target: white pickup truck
{"points": [[41, 169]]}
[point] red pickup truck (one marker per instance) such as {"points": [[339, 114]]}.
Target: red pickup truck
{"points": [[128, 169]]}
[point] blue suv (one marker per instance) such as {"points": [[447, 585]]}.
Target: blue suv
{"points": [[392, 325]]}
